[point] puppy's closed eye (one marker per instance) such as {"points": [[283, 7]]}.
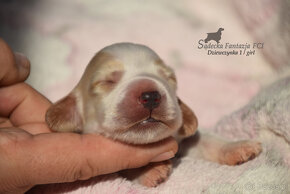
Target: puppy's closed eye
{"points": [[107, 82], [104, 82]]}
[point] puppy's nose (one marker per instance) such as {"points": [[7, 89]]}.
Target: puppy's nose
{"points": [[150, 100]]}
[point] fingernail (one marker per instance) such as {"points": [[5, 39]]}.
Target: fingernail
{"points": [[21, 60], [163, 156], [23, 65]]}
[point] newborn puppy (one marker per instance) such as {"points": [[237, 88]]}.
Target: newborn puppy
{"points": [[128, 94]]}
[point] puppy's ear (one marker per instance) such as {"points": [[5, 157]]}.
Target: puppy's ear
{"points": [[63, 116], [190, 123]]}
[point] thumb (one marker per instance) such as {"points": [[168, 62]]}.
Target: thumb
{"points": [[67, 157]]}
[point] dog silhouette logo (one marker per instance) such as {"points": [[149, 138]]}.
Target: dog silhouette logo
{"points": [[216, 36]]}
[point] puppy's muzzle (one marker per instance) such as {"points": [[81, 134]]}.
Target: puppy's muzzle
{"points": [[150, 100]]}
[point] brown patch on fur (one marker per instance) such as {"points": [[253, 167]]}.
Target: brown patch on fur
{"points": [[166, 72], [103, 68], [63, 116], [190, 122]]}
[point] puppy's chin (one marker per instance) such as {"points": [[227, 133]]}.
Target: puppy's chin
{"points": [[144, 133]]}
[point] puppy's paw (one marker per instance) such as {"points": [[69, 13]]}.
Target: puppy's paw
{"points": [[155, 174], [239, 152]]}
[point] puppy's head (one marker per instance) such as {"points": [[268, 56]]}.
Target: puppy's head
{"points": [[126, 93]]}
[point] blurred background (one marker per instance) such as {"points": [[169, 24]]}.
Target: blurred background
{"points": [[61, 36]]}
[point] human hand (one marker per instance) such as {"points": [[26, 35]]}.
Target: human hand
{"points": [[31, 154]]}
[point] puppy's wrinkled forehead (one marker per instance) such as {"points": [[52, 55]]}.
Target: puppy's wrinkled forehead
{"points": [[124, 61], [134, 58]]}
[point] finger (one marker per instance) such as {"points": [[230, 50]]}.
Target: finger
{"points": [[23, 104], [36, 128], [66, 157], [14, 67]]}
